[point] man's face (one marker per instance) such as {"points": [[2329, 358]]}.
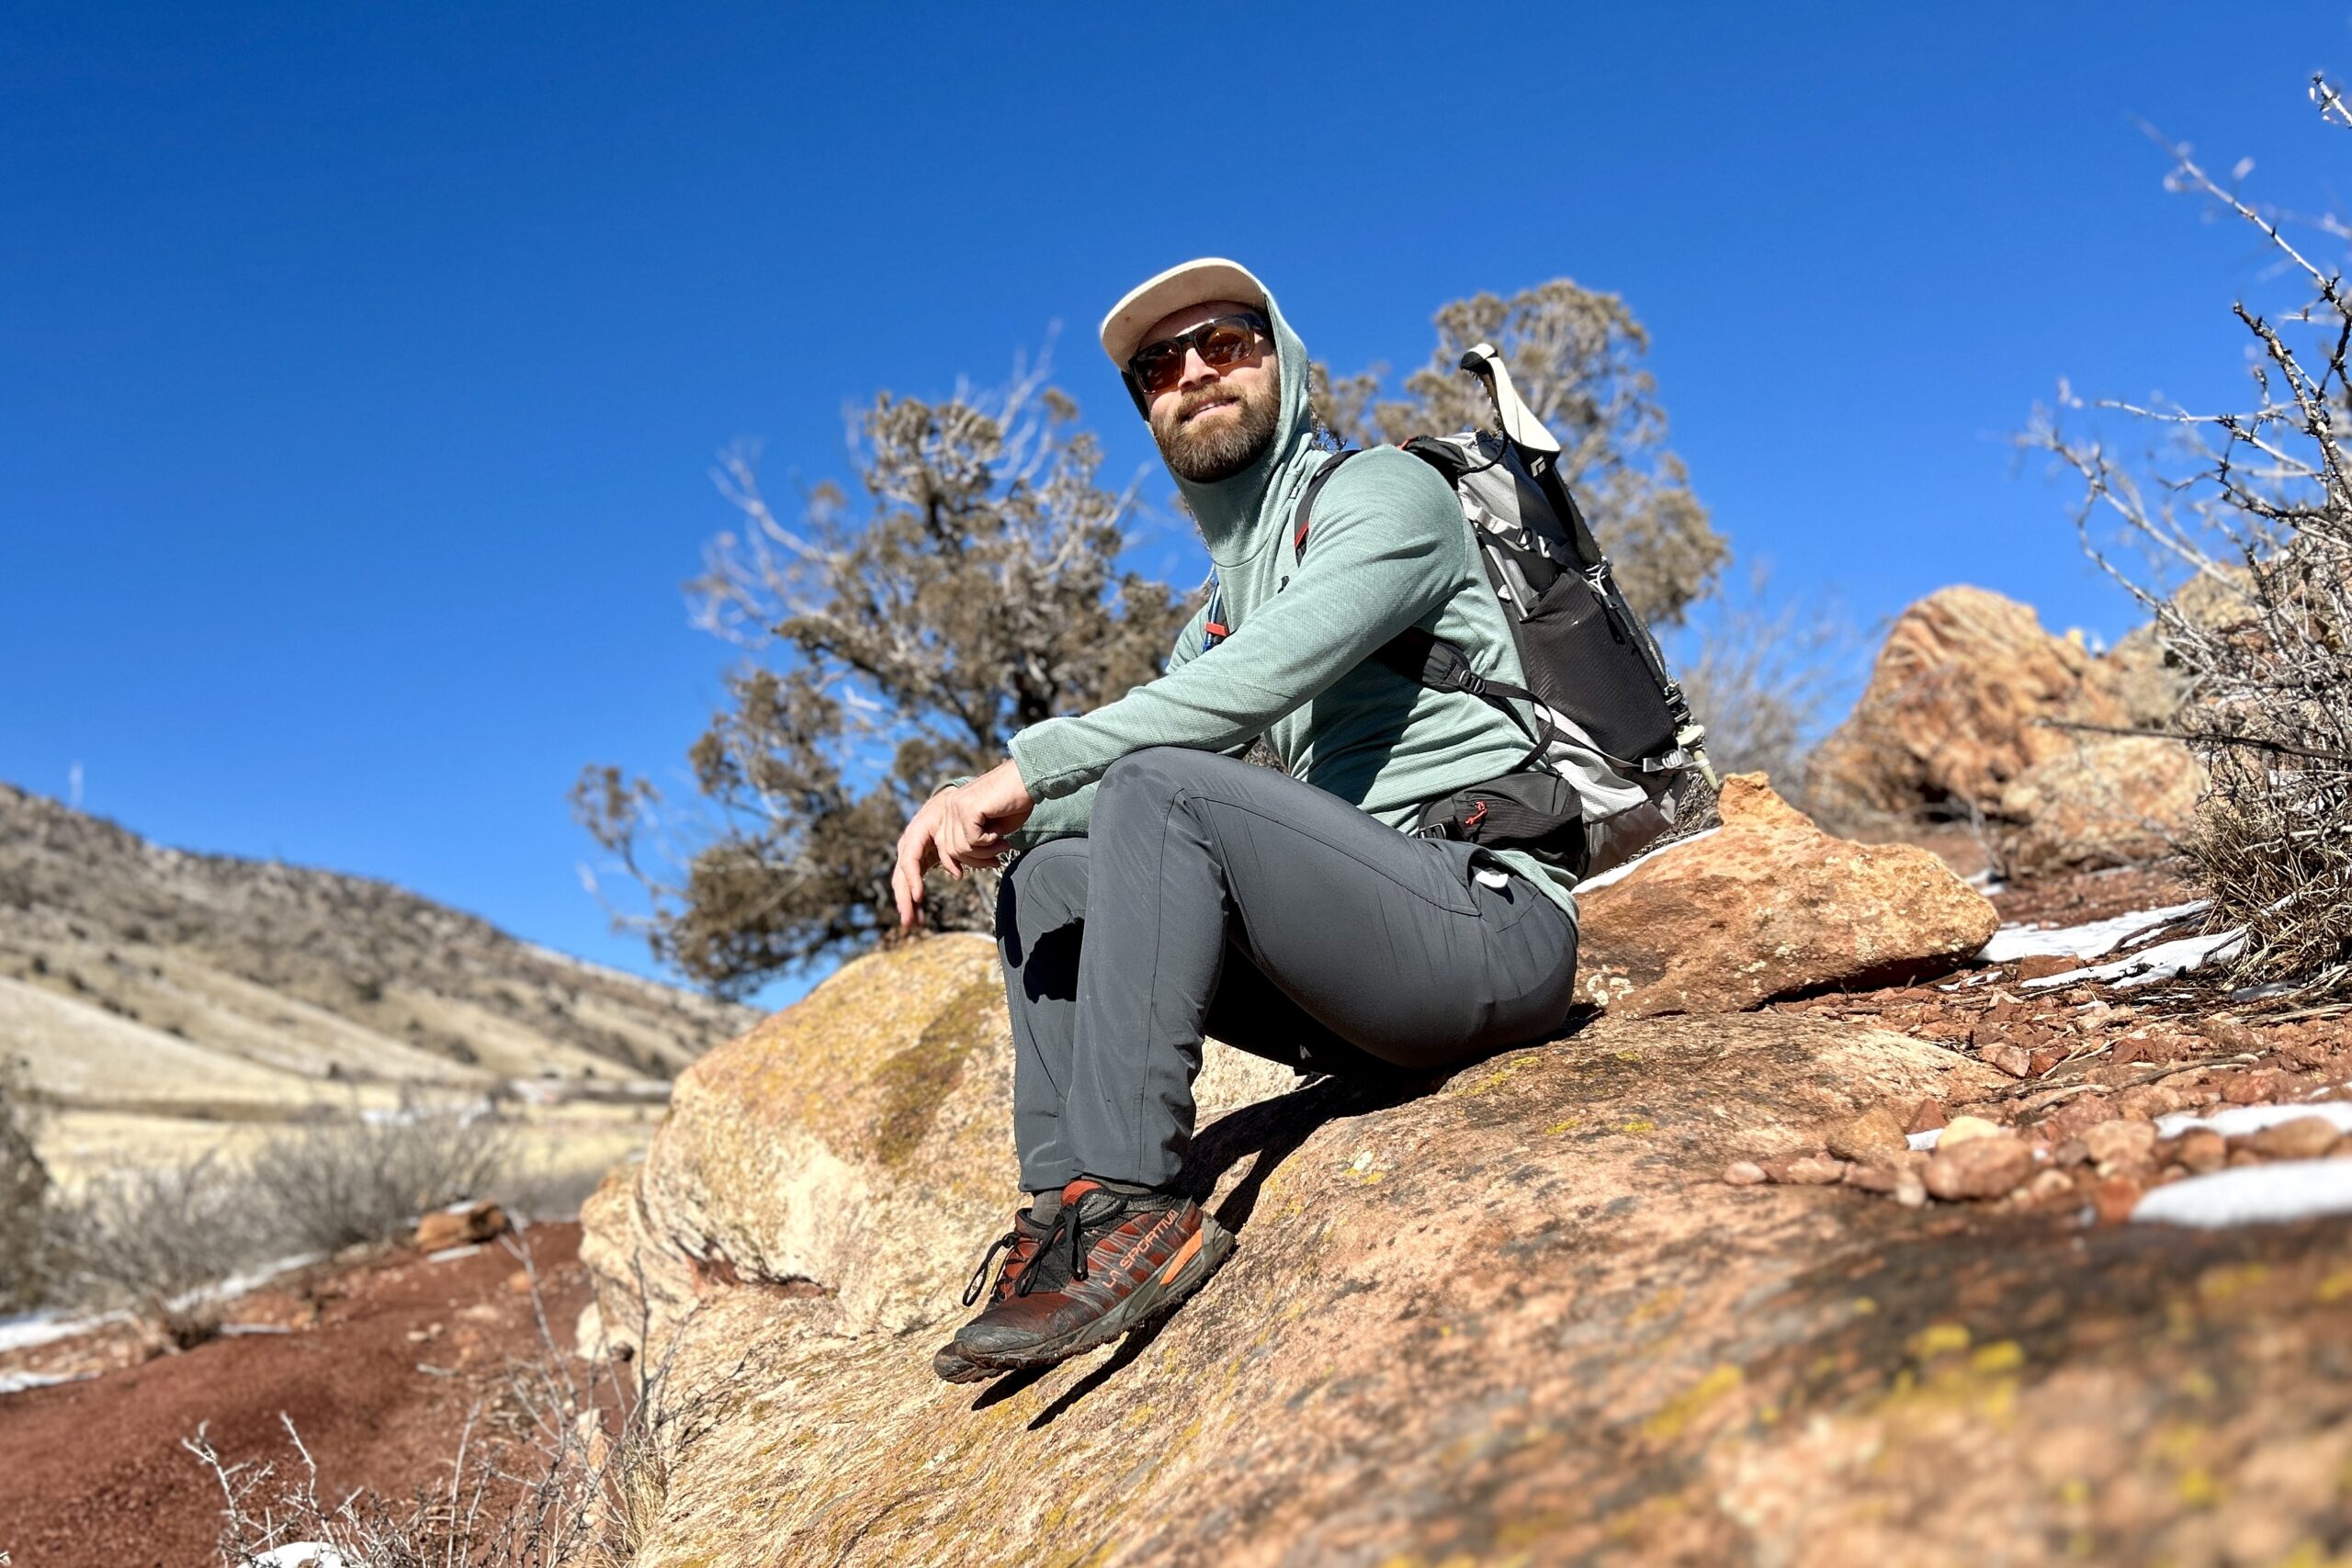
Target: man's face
{"points": [[1213, 424]]}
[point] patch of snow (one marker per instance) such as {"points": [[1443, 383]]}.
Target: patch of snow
{"points": [[451, 1253], [2253, 1195], [1926, 1140], [1618, 874], [42, 1327], [251, 1279], [18, 1383], [2162, 962], [2231, 1119], [303, 1555], [2091, 941]]}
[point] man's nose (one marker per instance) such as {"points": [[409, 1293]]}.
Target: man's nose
{"points": [[1197, 371]]}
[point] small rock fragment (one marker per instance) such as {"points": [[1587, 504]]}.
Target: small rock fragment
{"points": [[2250, 1088], [1873, 1136], [2114, 1198], [460, 1225], [1909, 1191], [1873, 1177], [2305, 1137], [2050, 1186], [1743, 1173], [1964, 1128], [1815, 1171], [1927, 1116], [2070, 1154], [2120, 1143], [2202, 1149], [1986, 1166], [2014, 1060]]}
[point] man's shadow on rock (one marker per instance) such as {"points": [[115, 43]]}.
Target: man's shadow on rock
{"points": [[1272, 1130]]}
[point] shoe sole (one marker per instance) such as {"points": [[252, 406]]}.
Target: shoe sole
{"points": [[1156, 1298], [951, 1365]]}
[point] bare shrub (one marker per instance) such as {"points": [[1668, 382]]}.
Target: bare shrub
{"points": [[2241, 546], [24, 1195], [565, 1465], [329, 1185], [158, 1241], [1761, 673]]}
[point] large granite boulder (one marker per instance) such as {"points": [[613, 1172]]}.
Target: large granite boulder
{"points": [[1973, 711], [1954, 708], [1766, 906], [1519, 1318]]}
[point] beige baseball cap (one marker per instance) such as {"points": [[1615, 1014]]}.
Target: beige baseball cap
{"points": [[1210, 277]]}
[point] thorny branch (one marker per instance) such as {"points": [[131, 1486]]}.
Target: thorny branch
{"points": [[2247, 536]]}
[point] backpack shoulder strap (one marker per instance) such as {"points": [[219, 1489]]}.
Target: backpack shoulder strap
{"points": [[1304, 516]]}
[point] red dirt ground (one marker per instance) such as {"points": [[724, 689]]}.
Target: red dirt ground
{"points": [[92, 1473]]}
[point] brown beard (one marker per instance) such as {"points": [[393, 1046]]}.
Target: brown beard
{"points": [[1205, 456]]}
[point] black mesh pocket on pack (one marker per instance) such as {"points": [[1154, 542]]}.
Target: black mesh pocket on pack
{"points": [[1585, 663]]}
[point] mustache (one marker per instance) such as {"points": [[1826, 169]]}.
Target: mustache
{"points": [[1206, 397]]}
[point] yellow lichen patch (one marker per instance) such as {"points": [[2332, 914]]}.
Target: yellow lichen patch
{"points": [[2229, 1281], [2000, 1356], [1941, 1340], [1692, 1403], [2197, 1488], [2335, 1288], [2197, 1383], [1557, 1128], [1490, 1082], [1861, 1306], [1638, 1124], [1660, 1306]]}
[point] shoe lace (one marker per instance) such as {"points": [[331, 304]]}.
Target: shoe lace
{"points": [[1009, 1242], [1065, 1222]]}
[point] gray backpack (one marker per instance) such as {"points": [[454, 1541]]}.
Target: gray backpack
{"points": [[1614, 753]]}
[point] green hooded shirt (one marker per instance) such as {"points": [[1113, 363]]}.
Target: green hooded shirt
{"points": [[1387, 550]]}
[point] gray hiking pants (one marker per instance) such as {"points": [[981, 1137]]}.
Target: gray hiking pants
{"points": [[1216, 897]]}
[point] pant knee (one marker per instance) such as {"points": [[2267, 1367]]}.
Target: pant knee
{"points": [[1154, 777], [1044, 888]]}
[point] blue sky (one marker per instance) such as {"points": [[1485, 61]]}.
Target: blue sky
{"points": [[363, 367]]}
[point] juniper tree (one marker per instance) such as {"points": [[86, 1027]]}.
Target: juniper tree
{"points": [[1576, 357], [893, 646]]}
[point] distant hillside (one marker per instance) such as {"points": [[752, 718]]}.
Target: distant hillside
{"points": [[138, 977]]}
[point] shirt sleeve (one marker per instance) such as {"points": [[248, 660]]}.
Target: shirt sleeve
{"points": [[1386, 549]]}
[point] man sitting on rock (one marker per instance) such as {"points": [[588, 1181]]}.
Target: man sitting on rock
{"points": [[1167, 889]]}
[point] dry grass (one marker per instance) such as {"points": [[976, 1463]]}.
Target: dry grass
{"points": [[564, 1467]]}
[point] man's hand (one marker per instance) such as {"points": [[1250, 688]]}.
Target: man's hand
{"points": [[980, 815], [957, 829]]}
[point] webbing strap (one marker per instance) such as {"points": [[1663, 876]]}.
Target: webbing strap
{"points": [[1305, 515]]}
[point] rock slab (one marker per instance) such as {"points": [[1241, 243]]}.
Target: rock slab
{"points": [[1767, 906], [1517, 1318]]}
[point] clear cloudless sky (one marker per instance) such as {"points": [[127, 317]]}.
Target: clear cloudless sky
{"points": [[361, 367]]}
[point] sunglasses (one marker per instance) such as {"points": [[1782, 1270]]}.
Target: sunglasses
{"points": [[1222, 343]]}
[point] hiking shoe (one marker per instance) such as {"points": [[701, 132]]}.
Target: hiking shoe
{"points": [[1111, 1262], [1018, 1245]]}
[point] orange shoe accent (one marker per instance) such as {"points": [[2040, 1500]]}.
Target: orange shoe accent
{"points": [[1183, 1254]]}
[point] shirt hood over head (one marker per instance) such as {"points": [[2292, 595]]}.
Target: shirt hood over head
{"points": [[1237, 513]]}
